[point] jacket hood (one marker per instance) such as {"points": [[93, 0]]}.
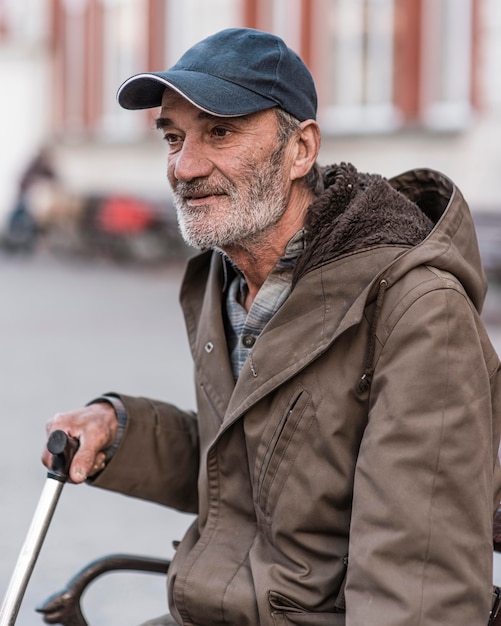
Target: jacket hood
{"points": [[420, 213]]}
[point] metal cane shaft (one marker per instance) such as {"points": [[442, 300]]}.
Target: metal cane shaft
{"points": [[30, 551], [62, 447]]}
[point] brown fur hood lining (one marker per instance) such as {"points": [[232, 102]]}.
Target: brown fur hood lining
{"points": [[355, 212]]}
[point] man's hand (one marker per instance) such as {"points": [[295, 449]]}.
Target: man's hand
{"points": [[95, 427]]}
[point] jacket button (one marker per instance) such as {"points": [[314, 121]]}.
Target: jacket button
{"points": [[248, 340], [209, 347]]}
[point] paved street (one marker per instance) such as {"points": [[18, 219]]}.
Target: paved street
{"points": [[68, 332]]}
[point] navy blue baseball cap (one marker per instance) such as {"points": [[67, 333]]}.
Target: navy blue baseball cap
{"points": [[236, 71]]}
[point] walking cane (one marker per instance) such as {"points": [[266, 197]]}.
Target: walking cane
{"points": [[62, 447]]}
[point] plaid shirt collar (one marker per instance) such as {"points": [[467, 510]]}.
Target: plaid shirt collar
{"points": [[243, 328]]}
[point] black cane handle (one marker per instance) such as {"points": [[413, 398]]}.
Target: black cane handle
{"points": [[63, 448]]}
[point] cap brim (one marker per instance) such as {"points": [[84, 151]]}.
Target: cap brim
{"points": [[206, 92]]}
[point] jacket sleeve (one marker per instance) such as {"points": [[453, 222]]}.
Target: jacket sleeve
{"points": [[421, 532], [158, 456]]}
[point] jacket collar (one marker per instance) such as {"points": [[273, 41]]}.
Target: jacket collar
{"points": [[325, 303]]}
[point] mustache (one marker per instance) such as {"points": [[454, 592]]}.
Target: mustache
{"points": [[201, 187]]}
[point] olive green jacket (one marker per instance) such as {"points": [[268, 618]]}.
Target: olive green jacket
{"points": [[349, 477]]}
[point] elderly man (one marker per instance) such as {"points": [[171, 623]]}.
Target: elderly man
{"points": [[343, 459]]}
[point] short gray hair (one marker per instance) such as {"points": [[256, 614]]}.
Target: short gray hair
{"points": [[287, 126]]}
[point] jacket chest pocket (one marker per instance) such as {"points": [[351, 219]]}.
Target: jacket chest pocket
{"points": [[281, 442]]}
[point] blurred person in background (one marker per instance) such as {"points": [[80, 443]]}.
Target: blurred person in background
{"points": [[37, 186], [342, 461]]}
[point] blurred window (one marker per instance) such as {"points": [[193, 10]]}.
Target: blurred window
{"points": [[97, 44], [447, 63], [100, 43], [355, 64], [125, 37], [383, 64]]}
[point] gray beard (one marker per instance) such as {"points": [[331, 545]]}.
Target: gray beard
{"points": [[252, 212]]}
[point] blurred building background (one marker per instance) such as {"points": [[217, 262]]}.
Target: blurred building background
{"points": [[402, 84]]}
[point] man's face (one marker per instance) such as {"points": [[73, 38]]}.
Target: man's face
{"points": [[228, 174]]}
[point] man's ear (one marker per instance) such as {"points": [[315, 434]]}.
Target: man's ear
{"points": [[307, 148]]}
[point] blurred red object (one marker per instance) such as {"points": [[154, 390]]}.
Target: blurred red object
{"points": [[121, 214]]}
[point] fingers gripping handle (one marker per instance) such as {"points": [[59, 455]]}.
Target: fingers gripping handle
{"points": [[63, 448]]}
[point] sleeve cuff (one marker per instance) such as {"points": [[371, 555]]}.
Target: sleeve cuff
{"points": [[121, 414]]}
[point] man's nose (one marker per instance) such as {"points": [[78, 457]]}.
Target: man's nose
{"points": [[191, 161]]}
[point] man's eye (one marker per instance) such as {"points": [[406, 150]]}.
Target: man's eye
{"points": [[220, 131], [172, 139]]}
